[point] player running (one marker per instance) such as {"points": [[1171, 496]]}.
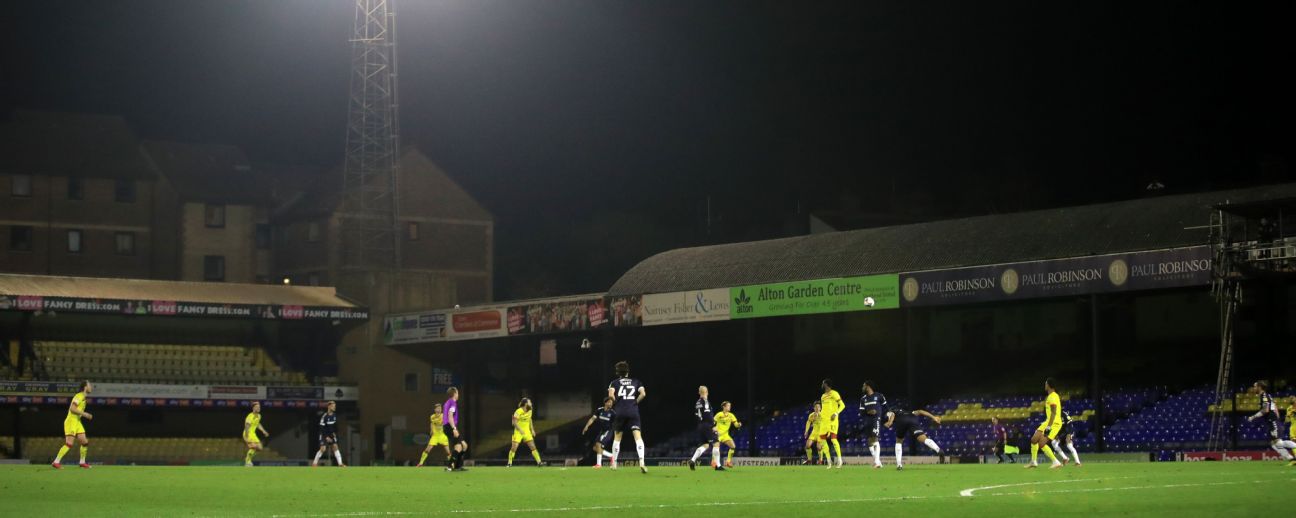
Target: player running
{"points": [[73, 429], [1269, 412], [829, 420], [604, 416], [451, 428], [523, 431], [328, 435], [1291, 419], [1048, 430], [723, 421], [251, 424], [813, 435], [628, 392], [906, 424], [706, 431], [1065, 437], [872, 408], [438, 435]]}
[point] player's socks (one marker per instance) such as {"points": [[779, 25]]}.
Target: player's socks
{"points": [[899, 450], [715, 454], [876, 450], [729, 458], [62, 451], [616, 452], [319, 453], [809, 455], [837, 446], [1278, 447], [598, 460], [338, 456], [1048, 452], [248, 458], [422, 458], [697, 454], [932, 444], [84, 450], [639, 448], [607, 454], [1034, 453], [1074, 454], [536, 455], [511, 454], [1057, 449]]}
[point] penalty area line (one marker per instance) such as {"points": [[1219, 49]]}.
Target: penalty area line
{"points": [[610, 507]]}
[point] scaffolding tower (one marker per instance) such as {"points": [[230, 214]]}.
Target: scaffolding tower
{"points": [[369, 237]]}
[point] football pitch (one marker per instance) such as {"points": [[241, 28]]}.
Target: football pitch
{"points": [[1150, 489]]}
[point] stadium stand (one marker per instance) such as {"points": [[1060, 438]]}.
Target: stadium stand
{"points": [[121, 450], [153, 363]]}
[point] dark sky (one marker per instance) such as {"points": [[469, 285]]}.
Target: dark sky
{"points": [[596, 130]]}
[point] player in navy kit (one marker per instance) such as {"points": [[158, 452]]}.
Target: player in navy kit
{"points": [[706, 431], [1269, 412], [873, 411], [907, 424], [328, 436], [604, 416], [628, 393]]}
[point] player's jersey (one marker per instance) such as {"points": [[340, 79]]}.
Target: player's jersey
{"points": [[1065, 417], [437, 420], [1291, 418], [328, 424], [1267, 403], [723, 421], [523, 419], [873, 406], [626, 392], [702, 409], [1055, 402], [604, 418], [451, 408], [78, 401], [253, 420], [832, 404], [812, 419]]}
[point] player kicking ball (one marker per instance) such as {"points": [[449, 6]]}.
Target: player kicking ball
{"points": [[706, 429], [907, 424]]}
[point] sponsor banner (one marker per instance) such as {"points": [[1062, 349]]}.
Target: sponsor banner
{"points": [[1230, 456], [556, 315], [336, 393], [236, 392], [169, 308], [294, 392], [818, 296], [141, 390], [627, 311], [684, 307], [1158, 269], [477, 324], [159, 402], [37, 388], [560, 316]]}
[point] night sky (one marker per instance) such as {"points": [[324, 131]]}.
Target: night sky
{"points": [[596, 130]]}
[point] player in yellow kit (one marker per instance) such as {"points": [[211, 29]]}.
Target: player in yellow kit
{"points": [[438, 436], [523, 431], [1049, 429], [813, 435], [251, 424], [832, 405], [72, 427], [1291, 418], [723, 421]]}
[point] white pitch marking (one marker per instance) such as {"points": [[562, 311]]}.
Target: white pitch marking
{"points": [[968, 492], [1127, 488]]}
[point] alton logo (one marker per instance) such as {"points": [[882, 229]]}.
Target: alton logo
{"points": [[742, 303]]}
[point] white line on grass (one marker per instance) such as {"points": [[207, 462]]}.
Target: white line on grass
{"points": [[1127, 488], [611, 507], [968, 492]]}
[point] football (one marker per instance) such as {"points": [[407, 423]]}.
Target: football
{"points": [[869, 302]]}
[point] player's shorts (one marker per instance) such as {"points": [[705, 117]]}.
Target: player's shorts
{"points": [[815, 432], [872, 426], [1066, 430], [1052, 432], [73, 427], [707, 434], [605, 439], [449, 433], [522, 437], [724, 437], [252, 439], [328, 439], [625, 422], [1273, 430], [827, 430], [439, 440], [906, 427]]}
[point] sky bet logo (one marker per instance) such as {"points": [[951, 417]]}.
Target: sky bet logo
{"points": [[742, 303]]}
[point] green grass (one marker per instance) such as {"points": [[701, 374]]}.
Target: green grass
{"points": [[1160, 489]]}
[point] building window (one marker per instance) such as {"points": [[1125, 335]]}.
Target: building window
{"points": [[124, 191], [20, 238], [213, 268], [20, 185], [411, 382], [411, 230], [125, 243], [214, 215], [74, 241], [313, 231], [76, 188], [262, 236]]}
